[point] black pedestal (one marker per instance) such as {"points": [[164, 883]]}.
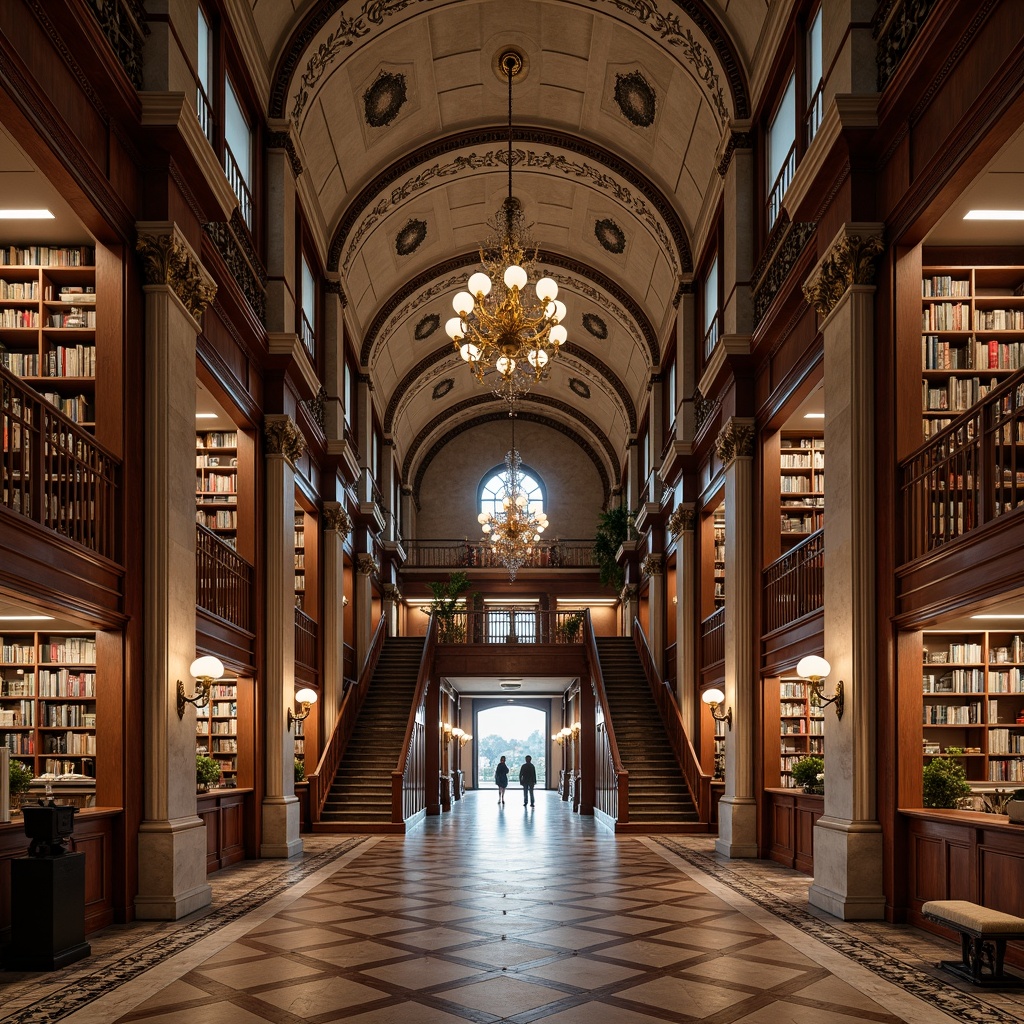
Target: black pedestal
{"points": [[47, 912]]}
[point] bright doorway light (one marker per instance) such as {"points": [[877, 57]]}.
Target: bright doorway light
{"points": [[9, 214], [994, 215]]}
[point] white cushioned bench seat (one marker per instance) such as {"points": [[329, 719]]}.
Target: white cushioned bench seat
{"points": [[983, 936]]}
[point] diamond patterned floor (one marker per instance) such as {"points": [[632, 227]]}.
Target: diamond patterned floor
{"points": [[490, 915]]}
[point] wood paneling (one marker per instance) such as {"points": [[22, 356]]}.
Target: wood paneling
{"points": [[791, 815], [225, 814]]}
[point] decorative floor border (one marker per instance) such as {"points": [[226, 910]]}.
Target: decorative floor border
{"points": [[107, 975], [957, 1004]]}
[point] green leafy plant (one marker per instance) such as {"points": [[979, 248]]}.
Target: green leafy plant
{"points": [[570, 628], [445, 605], [19, 779], [809, 772], [207, 770], [614, 527], [945, 783], [300, 770]]}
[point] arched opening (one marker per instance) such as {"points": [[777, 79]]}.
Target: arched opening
{"points": [[515, 731]]}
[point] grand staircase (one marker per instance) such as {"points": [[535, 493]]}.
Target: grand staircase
{"points": [[360, 797], [659, 800]]}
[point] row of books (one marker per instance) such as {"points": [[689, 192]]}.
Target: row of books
{"points": [[217, 439], [942, 285], [220, 483], [957, 394], [1006, 771], [970, 355], [958, 681], [12, 291], [23, 685], [953, 714], [74, 319], [18, 318], [81, 294], [998, 319], [801, 483], [69, 743], [69, 650], [78, 409], [47, 256], [71, 361], [956, 653], [62, 683], [216, 461], [946, 316], [17, 716], [17, 652], [798, 461], [68, 716], [19, 742], [225, 519]]}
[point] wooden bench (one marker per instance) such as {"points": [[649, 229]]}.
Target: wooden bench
{"points": [[983, 935]]}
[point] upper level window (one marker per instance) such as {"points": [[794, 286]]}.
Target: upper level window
{"points": [[349, 396], [204, 76], [238, 151], [711, 309], [812, 118], [495, 488], [307, 315], [781, 150]]}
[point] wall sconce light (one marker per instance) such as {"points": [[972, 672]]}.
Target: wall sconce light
{"points": [[714, 698], [447, 730], [576, 726], [204, 671], [462, 736], [307, 698], [814, 669], [562, 735]]}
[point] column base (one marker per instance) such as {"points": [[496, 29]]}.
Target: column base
{"points": [[172, 869], [737, 827], [281, 828], [848, 869]]}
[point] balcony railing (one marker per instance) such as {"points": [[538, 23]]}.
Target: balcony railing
{"points": [[780, 185], [712, 638], [794, 583], [204, 111], [967, 474], [511, 625], [305, 640], [812, 119], [308, 337], [462, 554], [54, 472], [711, 338], [238, 186], [223, 580]]}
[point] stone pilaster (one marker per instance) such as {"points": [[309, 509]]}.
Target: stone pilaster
{"points": [[337, 526], [392, 601], [681, 526], [367, 567], [653, 567], [172, 838], [848, 837], [280, 226], [629, 606], [283, 444], [738, 170], [737, 828]]}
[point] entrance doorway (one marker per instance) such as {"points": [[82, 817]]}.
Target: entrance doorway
{"points": [[514, 731]]}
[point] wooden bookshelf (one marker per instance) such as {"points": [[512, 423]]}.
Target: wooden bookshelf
{"points": [[48, 701], [719, 556], [802, 485], [801, 727], [300, 559], [48, 311], [972, 336], [217, 730], [972, 688], [217, 483]]}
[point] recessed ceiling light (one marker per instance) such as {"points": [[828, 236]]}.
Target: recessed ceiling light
{"points": [[994, 215], [26, 618], [206, 415], [25, 215], [1007, 615], [814, 415]]}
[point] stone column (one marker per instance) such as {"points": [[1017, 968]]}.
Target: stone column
{"points": [[367, 568], [284, 444], [681, 526], [337, 526], [392, 599], [737, 826], [172, 838], [653, 567], [848, 837], [629, 607]]}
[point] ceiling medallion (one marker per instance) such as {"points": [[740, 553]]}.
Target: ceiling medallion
{"points": [[610, 235], [384, 99], [410, 238], [636, 99], [499, 330], [595, 325], [579, 387], [426, 327], [442, 387]]}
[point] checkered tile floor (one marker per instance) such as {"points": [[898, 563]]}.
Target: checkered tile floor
{"points": [[492, 914]]}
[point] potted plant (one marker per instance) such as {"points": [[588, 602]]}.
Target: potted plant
{"points": [[207, 772], [614, 527], [945, 783], [300, 770], [809, 773], [570, 627], [19, 779], [446, 606], [1015, 806]]}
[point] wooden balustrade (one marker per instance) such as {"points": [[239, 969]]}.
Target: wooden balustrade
{"points": [[611, 780], [463, 554], [224, 580], [409, 777], [697, 780], [306, 630], [509, 624], [321, 779], [712, 638], [965, 475], [55, 473], [794, 585]]}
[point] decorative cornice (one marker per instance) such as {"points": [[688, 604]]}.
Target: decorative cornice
{"points": [[849, 260], [896, 25], [653, 564], [316, 407], [391, 593], [629, 592], [703, 410], [168, 259], [735, 440], [284, 140], [335, 518], [283, 437], [243, 265], [332, 287], [682, 520], [737, 140], [785, 257], [367, 565]]}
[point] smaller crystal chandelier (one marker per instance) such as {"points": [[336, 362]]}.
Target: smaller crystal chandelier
{"points": [[514, 530], [498, 326]]}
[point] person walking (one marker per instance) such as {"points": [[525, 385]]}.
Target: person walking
{"points": [[501, 779], [528, 779]]}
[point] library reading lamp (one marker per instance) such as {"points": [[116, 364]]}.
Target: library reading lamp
{"points": [[307, 698], [204, 671], [714, 698], [814, 669]]}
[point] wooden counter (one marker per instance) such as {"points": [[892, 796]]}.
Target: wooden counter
{"points": [[224, 812], [790, 815]]}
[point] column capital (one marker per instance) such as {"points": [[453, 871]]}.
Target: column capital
{"points": [[336, 518], [740, 136], [391, 593], [283, 135], [682, 520], [653, 564], [629, 592], [167, 259], [367, 564], [283, 437], [735, 440], [850, 259]]}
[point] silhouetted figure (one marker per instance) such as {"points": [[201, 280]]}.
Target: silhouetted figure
{"points": [[501, 779], [528, 779]]}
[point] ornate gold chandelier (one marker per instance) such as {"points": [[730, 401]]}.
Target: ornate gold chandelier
{"points": [[499, 328], [513, 532]]}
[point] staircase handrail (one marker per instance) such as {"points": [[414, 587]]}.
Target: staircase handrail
{"points": [[408, 796], [618, 772], [698, 781], [321, 780]]}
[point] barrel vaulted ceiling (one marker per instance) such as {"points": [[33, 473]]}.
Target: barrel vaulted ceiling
{"points": [[619, 115]]}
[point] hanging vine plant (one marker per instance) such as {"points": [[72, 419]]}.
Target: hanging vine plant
{"points": [[614, 527]]}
